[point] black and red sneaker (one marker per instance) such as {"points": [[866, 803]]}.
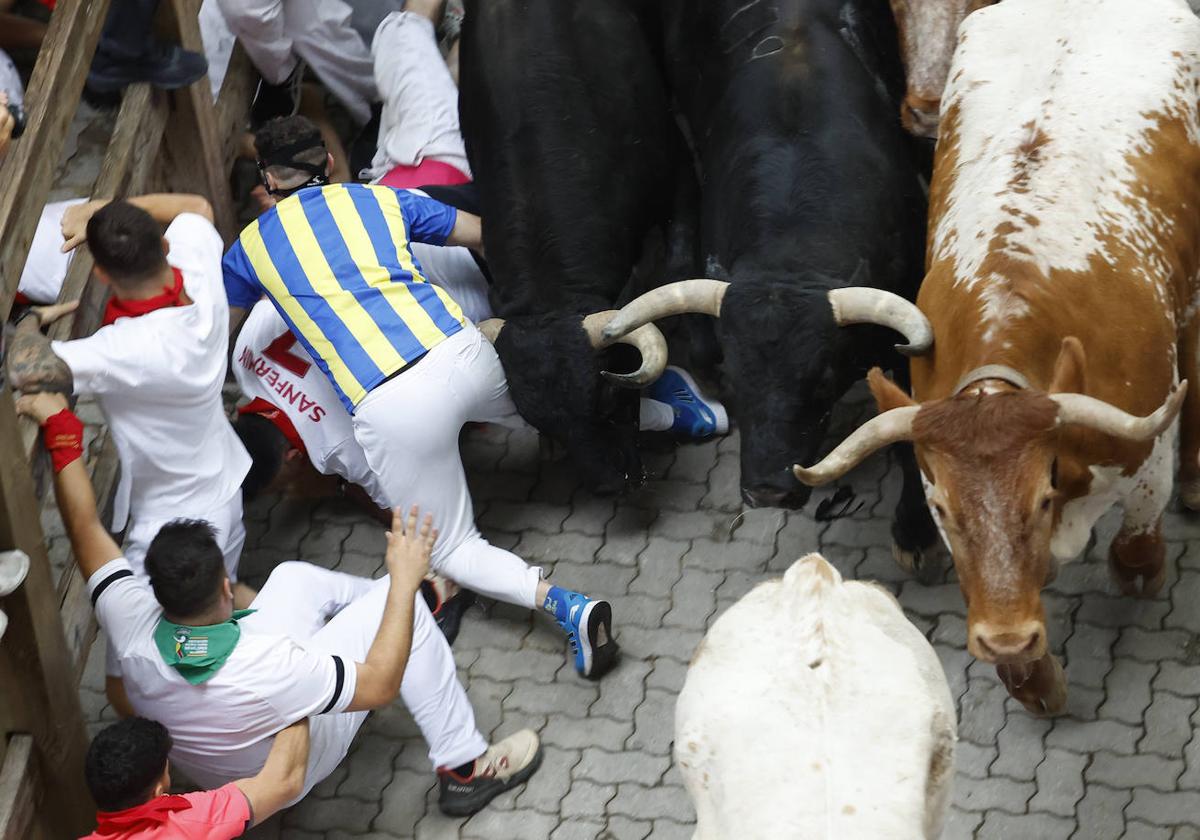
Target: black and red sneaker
{"points": [[448, 602], [505, 765]]}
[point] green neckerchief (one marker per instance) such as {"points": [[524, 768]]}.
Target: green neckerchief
{"points": [[198, 652]]}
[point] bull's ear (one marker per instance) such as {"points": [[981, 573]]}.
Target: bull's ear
{"points": [[1070, 368], [887, 393]]}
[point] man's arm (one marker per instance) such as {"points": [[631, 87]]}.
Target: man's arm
{"points": [[162, 207], [468, 232], [91, 543], [282, 778], [378, 679], [31, 364]]}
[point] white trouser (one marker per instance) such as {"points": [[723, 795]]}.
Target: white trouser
{"points": [[299, 598], [420, 100], [274, 32], [226, 521], [409, 426]]}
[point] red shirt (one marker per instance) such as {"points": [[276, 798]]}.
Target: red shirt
{"points": [[220, 814]]}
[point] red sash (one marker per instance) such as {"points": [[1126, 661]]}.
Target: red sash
{"points": [[427, 173], [277, 416], [171, 296]]}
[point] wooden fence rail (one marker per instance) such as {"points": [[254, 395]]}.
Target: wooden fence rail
{"points": [[181, 139]]}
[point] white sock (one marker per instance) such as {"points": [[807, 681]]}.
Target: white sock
{"points": [[656, 416]]}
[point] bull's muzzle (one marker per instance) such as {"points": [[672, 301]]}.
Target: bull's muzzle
{"points": [[1007, 644]]}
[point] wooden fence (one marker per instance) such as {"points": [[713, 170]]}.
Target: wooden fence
{"points": [[179, 141]]}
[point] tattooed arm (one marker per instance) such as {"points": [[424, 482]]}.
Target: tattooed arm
{"points": [[32, 365]]}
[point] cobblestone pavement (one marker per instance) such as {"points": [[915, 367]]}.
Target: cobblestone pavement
{"points": [[1124, 763]]}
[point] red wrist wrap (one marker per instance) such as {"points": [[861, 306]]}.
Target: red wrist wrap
{"points": [[62, 436]]}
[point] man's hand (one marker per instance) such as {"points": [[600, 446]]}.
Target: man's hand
{"points": [[41, 407], [75, 221], [7, 123], [409, 550], [47, 315]]}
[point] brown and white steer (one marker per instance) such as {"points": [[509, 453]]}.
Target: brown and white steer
{"points": [[1062, 288], [928, 32]]}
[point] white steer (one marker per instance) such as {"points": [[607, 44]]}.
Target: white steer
{"points": [[813, 710]]}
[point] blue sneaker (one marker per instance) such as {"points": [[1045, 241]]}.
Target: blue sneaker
{"points": [[696, 416], [588, 624]]}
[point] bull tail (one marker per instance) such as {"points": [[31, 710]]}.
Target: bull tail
{"points": [[811, 584]]}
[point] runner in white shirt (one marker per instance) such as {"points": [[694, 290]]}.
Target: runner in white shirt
{"points": [[156, 369], [46, 267], [316, 643]]}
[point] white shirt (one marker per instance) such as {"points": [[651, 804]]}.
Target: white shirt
{"points": [[270, 364], [222, 727], [46, 268], [158, 380]]}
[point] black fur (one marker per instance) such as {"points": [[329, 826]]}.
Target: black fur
{"points": [[569, 135]]}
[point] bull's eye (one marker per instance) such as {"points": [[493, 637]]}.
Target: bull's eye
{"points": [[941, 511], [1046, 503]]}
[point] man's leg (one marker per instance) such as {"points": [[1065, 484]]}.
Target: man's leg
{"points": [[420, 99], [324, 37], [259, 25], [430, 689], [299, 598]]}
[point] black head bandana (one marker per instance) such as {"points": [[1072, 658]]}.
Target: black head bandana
{"points": [[286, 156]]}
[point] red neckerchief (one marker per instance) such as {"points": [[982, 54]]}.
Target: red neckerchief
{"points": [[263, 408], [142, 817], [117, 308]]}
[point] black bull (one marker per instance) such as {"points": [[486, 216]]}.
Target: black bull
{"points": [[573, 146], [810, 189]]}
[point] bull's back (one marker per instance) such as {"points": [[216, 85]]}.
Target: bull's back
{"points": [[566, 124], [1064, 193], [786, 700]]}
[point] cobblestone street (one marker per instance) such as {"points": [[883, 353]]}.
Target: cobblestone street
{"points": [[1124, 763]]}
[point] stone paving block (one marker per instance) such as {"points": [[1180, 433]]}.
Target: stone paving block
{"points": [[1082, 577], [570, 697], [721, 555], [856, 533], [623, 828], [587, 799], [327, 787], [573, 733], [955, 661], [322, 542], [1002, 826], [573, 829], [950, 630], [675, 642], [961, 824], [369, 768], [932, 601], [1128, 685], [404, 802], [640, 610], [654, 727], [1059, 783], [318, 815], [1084, 703], [602, 767], [478, 632], [623, 689], [997, 793], [538, 549], [640, 802], [492, 824], [659, 567], [589, 514], [1168, 724], [973, 760], [514, 665], [1021, 748], [1088, 736], [1152, 646], [724, 485], [1190, 780], [367, 538], [518, 517], [1101, 813], [800, 535], [1137, 830], [693, 463], [1119, 611], [671, 830], [1091, 641], [1129, 771], [1088, 672], [1184, 596], [982, 715], [670, 496], [693, 598], [523, 452], [1168, 809], [1178, 678], [667, 675], [546, 790]]}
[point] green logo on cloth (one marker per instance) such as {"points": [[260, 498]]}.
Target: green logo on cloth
{"points": [[198, 652]]}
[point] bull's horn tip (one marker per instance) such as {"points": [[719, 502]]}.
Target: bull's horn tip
{"points": [[625, 380], [804, 476]]}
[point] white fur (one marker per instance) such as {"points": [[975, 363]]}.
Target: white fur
{"points": [[813, 710], [1073, 71]]}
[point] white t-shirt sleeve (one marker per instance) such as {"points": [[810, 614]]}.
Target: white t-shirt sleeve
{"points": [[124, 604], [304, 683], [109, 361], [195, 245]]}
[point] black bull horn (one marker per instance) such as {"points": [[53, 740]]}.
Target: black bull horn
{"points": [[647, 339]]}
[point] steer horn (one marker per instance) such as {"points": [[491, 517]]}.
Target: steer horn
{"points": [[701, 295], [881, 430], [1082, 410], [648, 340], [864, 305]]}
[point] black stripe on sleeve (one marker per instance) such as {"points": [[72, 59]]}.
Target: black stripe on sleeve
{"points": [[107, 582], [339, 682]]}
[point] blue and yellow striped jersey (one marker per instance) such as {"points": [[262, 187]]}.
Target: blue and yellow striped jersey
{"points": [[337, 264]]}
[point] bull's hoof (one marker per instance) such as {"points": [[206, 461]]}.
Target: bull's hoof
{"points": [[1139, 581], [1137, 563], [1041, 686], [925, 564], [1189, 494]]}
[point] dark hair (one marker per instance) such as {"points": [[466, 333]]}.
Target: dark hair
{"points": [[266, 445], [281, 132], [126, 242], [124, 761], [186, 567]]}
